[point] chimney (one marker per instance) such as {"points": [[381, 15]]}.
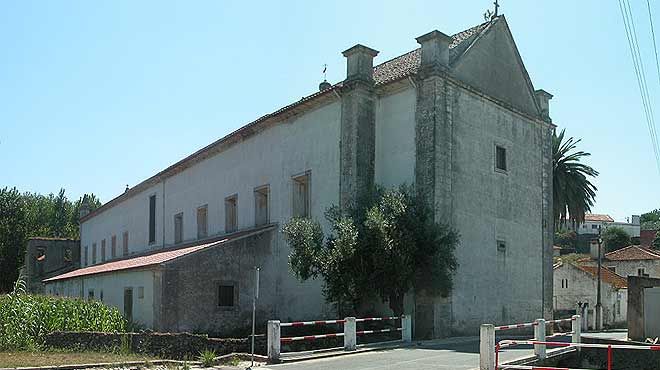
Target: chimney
{"points": [[435, 48], [84, 207], [636, 220], [360, 63], [543, 99]]}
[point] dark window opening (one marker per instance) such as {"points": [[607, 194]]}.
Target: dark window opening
{"points": [[226, 296], [202, 222], [500, 158], [152, 219]]}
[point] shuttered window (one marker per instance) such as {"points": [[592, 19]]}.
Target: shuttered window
{"points": [[231, 213], [178, 228], [301, 195], [202, 222], [261, 205], [152, 219]]}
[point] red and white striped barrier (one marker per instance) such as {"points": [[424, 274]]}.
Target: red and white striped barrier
{"points": [[560, 320], [362, 332], [524, 367], [516, 326], [310, 337], [275, 340], [377, 318], [308, 323]]}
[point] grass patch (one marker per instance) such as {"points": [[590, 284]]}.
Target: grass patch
{"points": [[54, 358]]}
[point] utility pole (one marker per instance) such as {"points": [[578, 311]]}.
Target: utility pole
{"points": [[254, 309], [599, 307]]}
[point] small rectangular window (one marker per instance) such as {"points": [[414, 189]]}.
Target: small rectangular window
{"points": [[86, 255], [642, 272], [594, 227], [113, 247], [101, 295], [202, 222], [226, 296], [152, 219], [103, 250], [231, 213], [140, 293], [125, 243], [90, 294], [178, 228], [501, 246], [93, 253], [261, 205], [500, 158], [301, 195], [612, 268]]}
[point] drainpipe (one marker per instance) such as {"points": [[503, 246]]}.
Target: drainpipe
{"points": [[163, 223]]}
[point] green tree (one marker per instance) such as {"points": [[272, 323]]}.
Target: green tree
{"points": [[565, 238], [656, 241], [650, 220], [573, 192], [30, 215], [386, 246], [615, 238]]}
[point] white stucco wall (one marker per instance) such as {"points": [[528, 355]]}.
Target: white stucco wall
{"points": [[395, 139], [582, 287], [113, 285], [490, 285]]}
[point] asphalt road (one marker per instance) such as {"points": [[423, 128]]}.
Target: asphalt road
{"points": [[460, 353], [454, 353]]}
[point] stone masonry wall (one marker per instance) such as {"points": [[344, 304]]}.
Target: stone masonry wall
{"points": [[177, 346]]}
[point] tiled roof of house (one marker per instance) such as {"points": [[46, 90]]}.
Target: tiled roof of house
{"points": [[606, 275], [633, 252], [598, 218], [153, 259]]}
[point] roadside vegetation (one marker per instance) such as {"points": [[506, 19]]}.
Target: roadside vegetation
{"points": [[11, 359], [25, 319]]}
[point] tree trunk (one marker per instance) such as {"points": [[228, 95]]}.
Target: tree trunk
{"points": [[396, 303]]}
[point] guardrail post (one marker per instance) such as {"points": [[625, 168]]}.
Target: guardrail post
{"points": [[274, 340], [350, 337], [406, 328], [539, 335], [487, 347], [576, 326]]}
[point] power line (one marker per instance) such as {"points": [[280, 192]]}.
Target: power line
{"points": [[640, 74], [655, 48]]}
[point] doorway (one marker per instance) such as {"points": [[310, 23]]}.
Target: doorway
{"points": [[128, 304]]}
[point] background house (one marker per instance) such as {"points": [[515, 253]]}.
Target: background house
{"points": [[577, 283], [633, 260]]}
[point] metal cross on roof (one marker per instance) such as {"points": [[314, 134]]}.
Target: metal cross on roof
{"points": [[497, 6]]}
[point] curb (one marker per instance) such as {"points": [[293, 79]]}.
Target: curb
{"points": [[104, 364]]}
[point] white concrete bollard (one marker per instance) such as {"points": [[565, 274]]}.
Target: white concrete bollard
{"points": [[274, 340], [406, 328], [350, 336], [576, 328], [487, 347], [539, 335]]}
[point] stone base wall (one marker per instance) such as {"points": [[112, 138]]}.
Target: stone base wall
{"points": [[178, 346]]}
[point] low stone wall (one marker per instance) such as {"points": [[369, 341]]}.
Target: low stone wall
{"points": [[178, 346]]}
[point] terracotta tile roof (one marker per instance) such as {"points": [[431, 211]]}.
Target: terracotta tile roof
{"points": [[388, 71], [153, 258], [633, 252], [598, 218], [606, 275]]}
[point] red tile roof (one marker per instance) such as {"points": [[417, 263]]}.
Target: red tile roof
{"points": [[389, 71], [606, 275], [152, 259], [633, 252], [598, 218]]}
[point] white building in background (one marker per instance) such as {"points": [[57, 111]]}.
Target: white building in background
{"points": [[592, 222], [575, 283]]}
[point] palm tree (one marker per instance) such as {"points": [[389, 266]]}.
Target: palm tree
{"points": [[573, 193]]}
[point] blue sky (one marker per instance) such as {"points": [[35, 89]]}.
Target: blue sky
{"points": [[95, 95]]}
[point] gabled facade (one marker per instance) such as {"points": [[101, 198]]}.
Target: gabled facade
{"points": [[458, 117]]}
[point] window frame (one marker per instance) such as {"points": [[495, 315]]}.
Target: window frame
{"points": [[231, 199], [235, 300], [113, 246], [204, 208], [102, 250], [93, 253], [152, 219], [498, 147], [180, 234], [263, 190], [124, 241], [295, 181]]}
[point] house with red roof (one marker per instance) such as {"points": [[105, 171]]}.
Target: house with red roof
{"points": [[632, 260], [457, 116], [575, 283]]}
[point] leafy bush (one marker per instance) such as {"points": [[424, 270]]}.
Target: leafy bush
{"points": [[25, 318]]}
